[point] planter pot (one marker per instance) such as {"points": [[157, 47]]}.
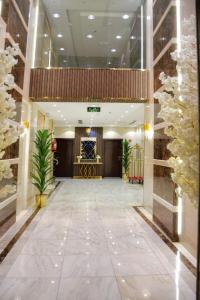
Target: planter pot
{"points": [[125, 177], [41, 200]]}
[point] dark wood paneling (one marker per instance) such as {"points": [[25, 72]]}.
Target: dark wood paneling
{"points": [[158, 10], [165, 33], [89, 84], [113, 158], [161, 140], [81, 132], [166, 219], [65, 158], [163, 184]]}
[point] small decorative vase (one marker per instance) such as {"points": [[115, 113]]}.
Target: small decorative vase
{"points": [[41, 200]]}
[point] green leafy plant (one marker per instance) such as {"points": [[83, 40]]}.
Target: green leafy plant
{"points": [[126, 155], [42, 161]]}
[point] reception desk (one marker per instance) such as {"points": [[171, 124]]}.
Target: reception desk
{"points": [[87, 170]]}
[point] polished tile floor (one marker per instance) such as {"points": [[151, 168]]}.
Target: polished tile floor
{"points": [[89, 244]]}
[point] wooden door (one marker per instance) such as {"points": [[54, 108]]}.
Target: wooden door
{"points": [[112, 158], [64, 156]]}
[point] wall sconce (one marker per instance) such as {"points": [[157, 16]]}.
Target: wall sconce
{"points": [[25, 124], [148, 131]]}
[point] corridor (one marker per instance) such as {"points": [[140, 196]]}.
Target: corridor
{"points": [[90, 244]]}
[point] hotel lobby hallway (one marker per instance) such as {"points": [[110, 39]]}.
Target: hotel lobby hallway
{"points": [[90, 244]]}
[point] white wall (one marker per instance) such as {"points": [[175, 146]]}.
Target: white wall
{"points": [[133, 134]]}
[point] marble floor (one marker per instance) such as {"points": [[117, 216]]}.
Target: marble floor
{"points": [[90, 244]]}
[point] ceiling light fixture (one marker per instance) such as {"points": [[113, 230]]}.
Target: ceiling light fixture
{"points": [[118, 37], [91, 17], [89, 36], [46, 52], [56, 15], [62, 49], [45, 35], [132, 37], [125, 17], [59, 35], [113, 50]]}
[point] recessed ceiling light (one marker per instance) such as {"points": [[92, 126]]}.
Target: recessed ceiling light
{"points": [[59, 35], [89, 36], [125, 17], [91, 17], [132, 37], [118, 37], [45, 35], [46, 52], [62, 49], [109, 63], [126, 111], [113, 50], [132, 105], [56, 15], [58, 111]]}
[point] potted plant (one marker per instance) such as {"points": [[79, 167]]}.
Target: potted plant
{"points": [[42, 165], [126, 158]]}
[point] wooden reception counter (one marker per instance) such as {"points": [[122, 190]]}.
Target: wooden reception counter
{"points": [[88, 170]]}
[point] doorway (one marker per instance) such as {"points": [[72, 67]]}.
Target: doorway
{"points": [[63, 166], [113, 158]]}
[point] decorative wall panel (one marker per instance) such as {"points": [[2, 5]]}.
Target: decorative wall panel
{"points": [[7, 217], [16, 28], [165, 33], [158, 11], [15, 14], [24, 8], [166, 219], [163, 184], [81, 132], [164, 42], [161, 140], [165, 64], [104, 85]]}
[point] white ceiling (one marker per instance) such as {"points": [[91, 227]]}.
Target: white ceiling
{"points": [[112, 114], [74, 25]]}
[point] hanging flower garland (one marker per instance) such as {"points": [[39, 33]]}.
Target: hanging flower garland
{"points": [[179, 109], [8, 132]]}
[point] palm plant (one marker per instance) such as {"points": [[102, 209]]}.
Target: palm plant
{"points": [[126, 156], [42, 161]]}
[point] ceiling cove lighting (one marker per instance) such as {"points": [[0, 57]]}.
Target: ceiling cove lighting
{"points": [[125, 17], [89, 36], [59, 35], [56, 15], [91, 17], [118, 37]]}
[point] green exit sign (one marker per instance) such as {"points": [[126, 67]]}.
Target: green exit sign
{"points": [[93, 109]]}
